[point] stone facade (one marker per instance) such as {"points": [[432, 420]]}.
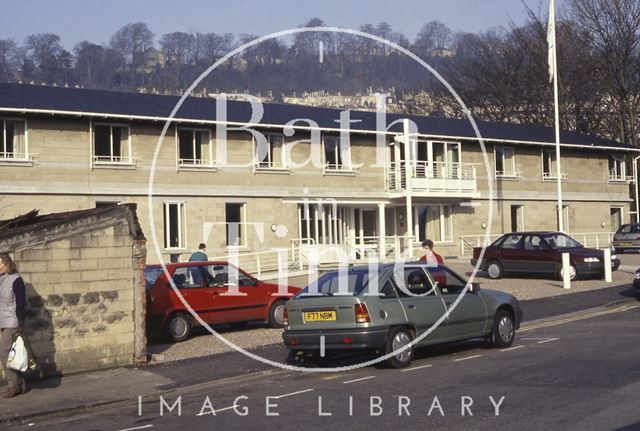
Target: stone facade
{"points": [[85, 287]]}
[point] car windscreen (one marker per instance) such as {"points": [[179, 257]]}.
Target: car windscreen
{"points": [[351, 282], [559, 241], [151, 275], [629, 228]]}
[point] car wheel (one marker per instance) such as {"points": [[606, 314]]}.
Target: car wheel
{"points": [[573, 272], [503, 331], [276, 314], [178, 327], [399, 337], [494, 270]]}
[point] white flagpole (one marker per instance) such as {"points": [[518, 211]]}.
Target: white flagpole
{"points": [[553, 65]]}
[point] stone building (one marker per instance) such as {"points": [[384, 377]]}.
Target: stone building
{"points": [[317, 183], [84, 274]]}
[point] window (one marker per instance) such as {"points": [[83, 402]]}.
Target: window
{"points": [[336, 158], [174, 228], [13, 143], [222, 275], [511, 241], [235, 218], [505, 162], [111, 145], [617, 168], [449, 283], [434, 222], [272, 156], [195, 148], [413, 280], [324, 223], [549, 165]]}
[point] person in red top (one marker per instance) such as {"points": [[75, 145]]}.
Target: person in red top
{"points": [[431, 256]]}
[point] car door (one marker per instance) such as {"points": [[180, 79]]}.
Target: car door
{"points": [[421, 302], [469, 317], [510, 253], [189, 280], [540, 259], [236, 295]]}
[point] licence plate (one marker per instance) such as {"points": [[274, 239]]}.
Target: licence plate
{"points": [[624, 244], [319, 316]]}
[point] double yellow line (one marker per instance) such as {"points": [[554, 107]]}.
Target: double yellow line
{"points": [[582, 316]]}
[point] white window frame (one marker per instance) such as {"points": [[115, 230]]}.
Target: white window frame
{"points": [[345, 166], [621, 208], [113, 161], [182, 225], [270, 164], [504, 174], [443, 230], [552, 175], [207, 161], [619, 167], [13, 157]]}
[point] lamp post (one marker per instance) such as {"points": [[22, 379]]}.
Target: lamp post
{"points": [[635, 185]]}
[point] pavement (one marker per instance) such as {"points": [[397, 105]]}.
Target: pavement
{"points": [[86, 391]]}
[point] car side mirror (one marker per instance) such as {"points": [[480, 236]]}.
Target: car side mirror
{"points": [[254, 281], [474, 287]]}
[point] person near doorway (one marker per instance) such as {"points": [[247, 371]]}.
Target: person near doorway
{"points": [[199, 255], [431, 257]]}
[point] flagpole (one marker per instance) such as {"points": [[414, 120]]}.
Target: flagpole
{"points": [[552, 46]]}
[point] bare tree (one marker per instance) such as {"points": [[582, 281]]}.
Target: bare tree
{"points": [[9, 60], [434, 35], [50, 60], [614, 26]]}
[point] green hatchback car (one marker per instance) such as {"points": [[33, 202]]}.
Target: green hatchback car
{"points": [[385, 310]]}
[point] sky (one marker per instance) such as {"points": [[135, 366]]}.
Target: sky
{"points": [[95, 21]]}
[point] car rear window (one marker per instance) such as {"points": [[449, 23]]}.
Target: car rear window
{"points": [[351, 282], [629, 228], [151, 275]]}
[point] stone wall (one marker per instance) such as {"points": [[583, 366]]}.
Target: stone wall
{"points": [[85, 299]]}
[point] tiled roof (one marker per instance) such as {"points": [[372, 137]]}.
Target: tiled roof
{"points": [[36, 97]]}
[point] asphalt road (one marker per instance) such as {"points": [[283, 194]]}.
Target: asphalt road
{"points": [[573, 375]]}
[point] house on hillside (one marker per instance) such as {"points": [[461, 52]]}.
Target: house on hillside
{"points": [[318, 183]]}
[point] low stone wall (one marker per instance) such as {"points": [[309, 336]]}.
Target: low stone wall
{"points": [[85, 299]]}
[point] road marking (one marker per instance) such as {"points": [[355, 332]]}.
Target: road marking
{"points": [[292, 394], [580, 317], [359, 380], [416, 368], [546, 341], [136, 428], [512, 348], [468, 357], [332, 377], [322, 339], [535, 338]]}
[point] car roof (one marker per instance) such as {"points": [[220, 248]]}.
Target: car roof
{"points": [[182, 264]]}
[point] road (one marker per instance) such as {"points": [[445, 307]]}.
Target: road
{"points": [[565, 375]]}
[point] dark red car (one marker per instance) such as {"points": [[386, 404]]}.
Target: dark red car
{"points": [[217, 291], [540, 253]]}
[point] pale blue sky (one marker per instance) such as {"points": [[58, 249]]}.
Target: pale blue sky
{"points": [[96, 21]]}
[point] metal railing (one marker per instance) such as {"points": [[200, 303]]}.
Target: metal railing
{"points": [[114, 160], [431, 176], [196, 163], [261, 262], [14, 156]]}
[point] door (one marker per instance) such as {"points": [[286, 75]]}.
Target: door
{"points": [[190, 282], [510, 253], [469, 317], [516, 218], [421, 302]]}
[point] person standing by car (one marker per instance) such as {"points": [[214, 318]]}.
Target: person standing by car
{"points": [[431, 257], [199, 255], [12, 313]]}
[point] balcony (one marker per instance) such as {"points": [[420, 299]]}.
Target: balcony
{"points": [[432, 179]]}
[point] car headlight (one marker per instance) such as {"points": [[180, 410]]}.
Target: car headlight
{"points": [[637, 274], [591, 259]]}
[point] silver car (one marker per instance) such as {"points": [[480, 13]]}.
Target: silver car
{"points": [[627, 237]]}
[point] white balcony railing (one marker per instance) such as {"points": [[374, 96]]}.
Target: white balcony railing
{"points": [[432, 177], [19, 157], [114, 160], [196, 163]]}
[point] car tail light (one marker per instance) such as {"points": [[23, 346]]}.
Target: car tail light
{"points": [[293, 342], [285, 317], [362, 314], [347, 340]]}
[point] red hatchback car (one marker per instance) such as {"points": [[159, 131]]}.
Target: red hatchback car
{"points": [[216, 292]]}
